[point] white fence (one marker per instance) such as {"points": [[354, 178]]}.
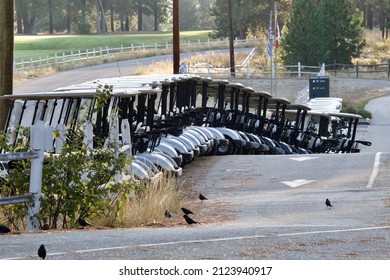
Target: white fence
{"points": [[245, 70], [84, 56], [40, 141]]}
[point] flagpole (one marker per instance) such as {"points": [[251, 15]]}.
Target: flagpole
{"points": [[276, 47], [270, 50]]}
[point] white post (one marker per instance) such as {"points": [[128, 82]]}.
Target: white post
{"points": [[299, 70], [247, 71], [126, 135], [38, 145]]}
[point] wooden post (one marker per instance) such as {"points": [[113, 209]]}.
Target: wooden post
{"points": [[231, 47], [176, 38], [6, 56], [357, 69]]}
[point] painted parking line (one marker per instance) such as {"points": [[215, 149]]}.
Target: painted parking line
{"points": [[374, 170]]}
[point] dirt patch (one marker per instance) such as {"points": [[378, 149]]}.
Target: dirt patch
{"points": [[350, 89]]}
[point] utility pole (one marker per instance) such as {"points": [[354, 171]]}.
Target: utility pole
{"points": [[176, 37], [231, 47], [6, 55]]}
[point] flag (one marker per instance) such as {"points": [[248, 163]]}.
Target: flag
{"points": [[277, 31], [270, 37]]}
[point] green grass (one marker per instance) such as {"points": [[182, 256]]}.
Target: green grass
{"points": [[26, 47]]}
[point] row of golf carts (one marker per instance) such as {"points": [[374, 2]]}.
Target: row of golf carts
{"points": [[166, 122]]}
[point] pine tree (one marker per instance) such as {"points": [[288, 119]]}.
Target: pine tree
{"points": [[301, 37], [322, 32], [342, 34]]}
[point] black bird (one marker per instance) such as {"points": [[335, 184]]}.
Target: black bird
{"points": [[186, 211], [328, 204], [45, 225], [4, 229], [83, 222], [202, 197], [189, 220], [168, 214], [42, 252]]}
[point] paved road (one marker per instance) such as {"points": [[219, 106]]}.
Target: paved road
{"points": [[280, 213], [89, 73], [378, 132], [277, 205]]}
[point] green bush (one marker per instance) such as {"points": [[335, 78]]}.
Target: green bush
{"points": [[77, 182]]}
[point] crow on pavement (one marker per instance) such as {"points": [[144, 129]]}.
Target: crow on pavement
{"points": [[83, 222], [42, 252], [186, 211], [202, 197], [189, 220], [328, 204]]}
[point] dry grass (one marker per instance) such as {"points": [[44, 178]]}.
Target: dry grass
{"points": [[148, 206], [22, 76], [160, 67], [377, 50]]}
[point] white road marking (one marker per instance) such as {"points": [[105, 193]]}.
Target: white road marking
{"points": [[374, 170], [297, 183], [302, 158]]}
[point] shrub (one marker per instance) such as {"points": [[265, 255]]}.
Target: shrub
{"points": [[77, 182]]}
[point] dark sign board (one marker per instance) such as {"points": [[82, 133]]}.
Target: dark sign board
{"points": [[318, 86]]}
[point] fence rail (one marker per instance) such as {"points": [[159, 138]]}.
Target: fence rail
{"points": [[289, 71], [245, 70], [83, 56], [39, 136]]}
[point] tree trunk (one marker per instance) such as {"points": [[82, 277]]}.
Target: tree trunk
{"points": [[112, 19], [6, 56], [50, 4], [68, 17], [155, 16], [370, 24], [98, 18], [127, 24], [19, 16], [139, 16]]}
